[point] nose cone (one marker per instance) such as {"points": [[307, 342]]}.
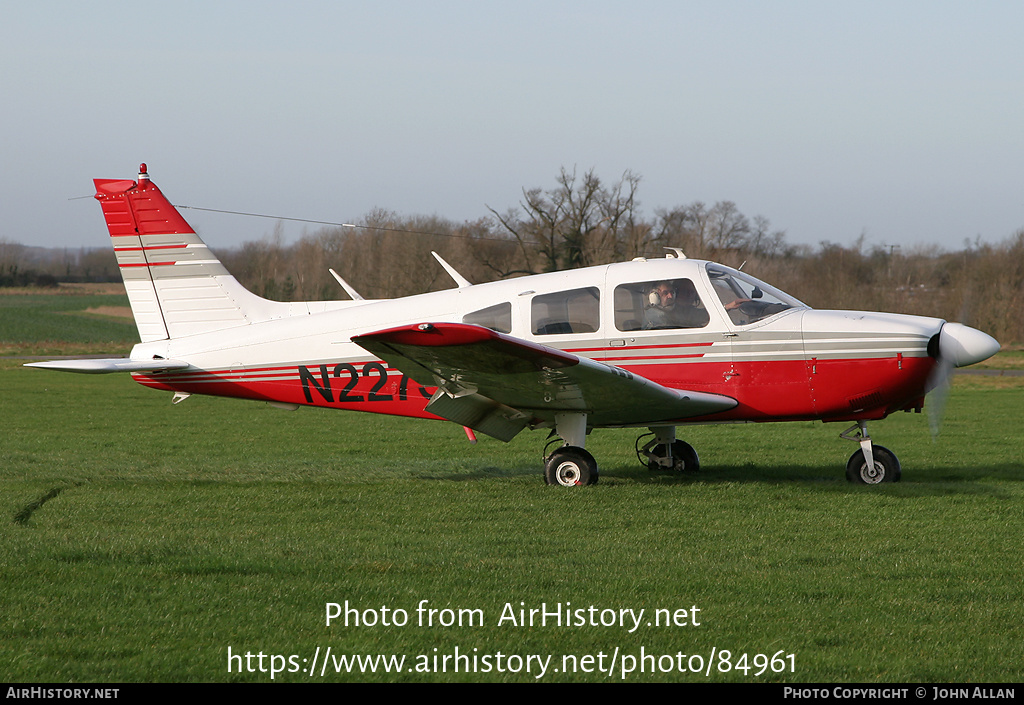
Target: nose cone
{"points": [[962, 346]]}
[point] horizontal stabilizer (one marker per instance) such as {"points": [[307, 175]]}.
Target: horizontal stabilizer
{"points": [[104, 366]]}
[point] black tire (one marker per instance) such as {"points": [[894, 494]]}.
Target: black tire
{"points": [[887, 467], [570, 466], [684, 458]]}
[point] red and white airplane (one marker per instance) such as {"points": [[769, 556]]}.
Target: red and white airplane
{"points": [[656, 343]]}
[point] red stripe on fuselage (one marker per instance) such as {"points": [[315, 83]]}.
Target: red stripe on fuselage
{"points": [[397, 395], [765, 390], [655, 357]]}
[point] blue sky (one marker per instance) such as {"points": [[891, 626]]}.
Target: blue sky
{"points": [[902, 121]]}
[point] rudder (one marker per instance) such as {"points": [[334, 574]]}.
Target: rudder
{"points": [[176, 286]]}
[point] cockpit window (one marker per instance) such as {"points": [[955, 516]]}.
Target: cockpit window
{"points": [[746, 299], [659, 304], [497, 317], [573, 311]]}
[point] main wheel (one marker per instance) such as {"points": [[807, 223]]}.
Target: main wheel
{"points": [[887, 467], [684, 458], [570, 466]]}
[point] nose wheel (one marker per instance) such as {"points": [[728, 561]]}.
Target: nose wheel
{"points": [[872, 464], [885, 467]]}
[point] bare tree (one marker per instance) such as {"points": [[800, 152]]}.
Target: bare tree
{"points": [[576, 224], [727, 228]]}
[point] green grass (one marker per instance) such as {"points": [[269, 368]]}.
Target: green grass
{"points": [[1010, 357], [55, 323], [140, 540]]}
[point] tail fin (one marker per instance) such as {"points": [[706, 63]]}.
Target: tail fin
{"points": [[175, 285]]}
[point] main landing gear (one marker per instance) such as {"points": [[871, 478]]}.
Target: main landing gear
{"points": [[871, 465], [571, 465], [663, 453]]}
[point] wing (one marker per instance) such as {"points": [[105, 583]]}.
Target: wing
{"points": [[498, 384]]}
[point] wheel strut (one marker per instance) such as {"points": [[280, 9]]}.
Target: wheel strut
{"points": [[664, 452], [859, 434], [658, 450]]}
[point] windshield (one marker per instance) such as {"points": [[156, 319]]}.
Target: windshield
{"points": [[746, 299]]}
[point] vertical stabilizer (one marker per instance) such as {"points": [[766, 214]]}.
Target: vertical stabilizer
{"points": [[175, 285]]}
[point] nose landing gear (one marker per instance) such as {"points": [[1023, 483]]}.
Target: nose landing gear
{"points": [[871, 465]]}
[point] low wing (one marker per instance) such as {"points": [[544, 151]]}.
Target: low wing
{"points": [[103, 366], [498, 384]]}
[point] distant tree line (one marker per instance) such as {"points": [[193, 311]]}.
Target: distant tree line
{"points": [[584, 221], [22, 265]]}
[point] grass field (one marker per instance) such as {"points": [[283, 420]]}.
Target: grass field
{"points": [[72, 320], [141, 540]]}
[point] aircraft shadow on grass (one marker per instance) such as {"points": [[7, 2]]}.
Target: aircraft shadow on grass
{"points": [[931, 481]]}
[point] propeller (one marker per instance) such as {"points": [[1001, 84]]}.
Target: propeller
{"points": [[938, 384], [955, 345]]}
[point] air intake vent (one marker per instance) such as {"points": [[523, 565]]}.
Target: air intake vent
{"points": [[866, 401]]}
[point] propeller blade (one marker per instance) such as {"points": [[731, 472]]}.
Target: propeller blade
{"points": [[938, 382], [958, 346]]}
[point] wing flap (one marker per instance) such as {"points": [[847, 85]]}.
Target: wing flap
{"points": [[479, 413], [485, 377]]}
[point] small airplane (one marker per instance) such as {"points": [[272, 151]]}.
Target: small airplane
{"points": [[655, 343]]}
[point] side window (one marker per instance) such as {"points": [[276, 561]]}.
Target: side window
{"points": [[654, 305], [498, 317], [573, 311]]}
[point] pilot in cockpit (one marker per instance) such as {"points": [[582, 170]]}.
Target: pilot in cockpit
{"points": [[674, 304]]}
